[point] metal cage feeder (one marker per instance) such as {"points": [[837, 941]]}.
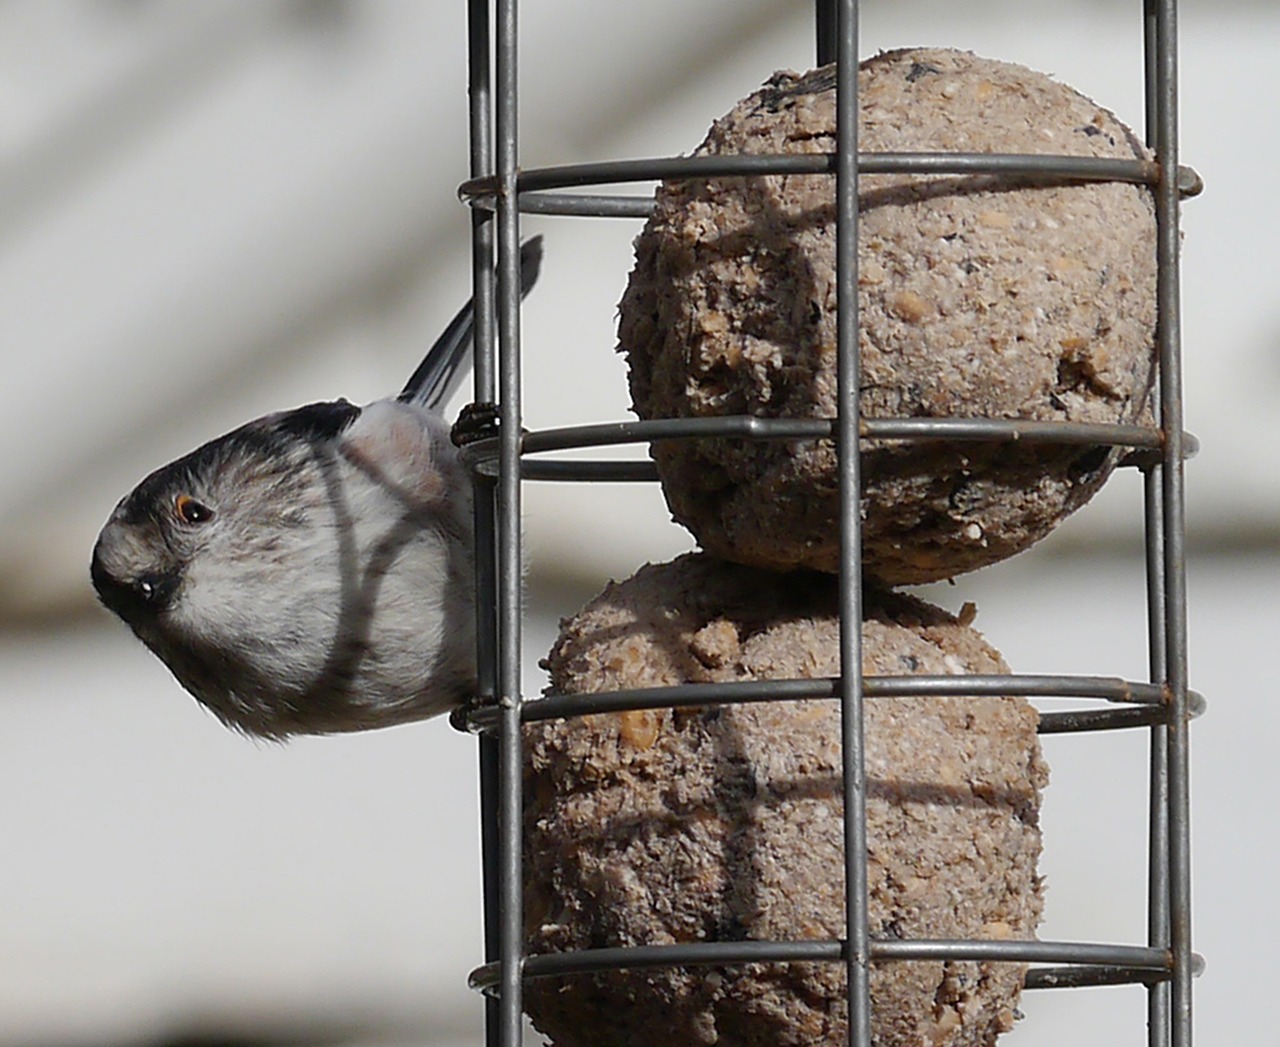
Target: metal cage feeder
{"points": [[498, 192]]}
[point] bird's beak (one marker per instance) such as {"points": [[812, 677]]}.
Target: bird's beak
{"points": [[133, 595]]}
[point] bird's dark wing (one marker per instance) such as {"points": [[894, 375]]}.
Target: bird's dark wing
{"points": [[448, 360]]}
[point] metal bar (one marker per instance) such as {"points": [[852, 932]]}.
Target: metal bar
{"points": [[755, 428], [1172, 512], [1079, 721], [825, 18], [510, 611], [1140, 959], [480, 125], [605, 434], [687, 954], [848, 452], [579, 471], [1028, 951], [586, 205], [1143, 713], [1086, 974], [1013, 168], [1158, 997], [1146, 702], [1090, 975], [480, 115], [610, 205], [490, 849], [992, 685], [483, 455]]}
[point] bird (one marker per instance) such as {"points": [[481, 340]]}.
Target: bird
{"points": [[312, 571]]}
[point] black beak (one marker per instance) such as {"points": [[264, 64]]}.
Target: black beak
{"points": [[157, 589], [133, 599]]}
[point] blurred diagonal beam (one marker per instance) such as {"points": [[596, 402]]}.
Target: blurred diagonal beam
{"points": [[192, 44]]}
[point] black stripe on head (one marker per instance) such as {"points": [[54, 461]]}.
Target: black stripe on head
{"points": [[275, 439], [322, 421]]}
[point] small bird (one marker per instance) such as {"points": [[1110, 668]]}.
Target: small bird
{"points": [[311, 572]]}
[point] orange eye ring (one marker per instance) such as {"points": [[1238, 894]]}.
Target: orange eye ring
{"points": [[189, 511]]}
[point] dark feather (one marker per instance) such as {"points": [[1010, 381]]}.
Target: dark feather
{"points": [[445, 364], [319, 421]]}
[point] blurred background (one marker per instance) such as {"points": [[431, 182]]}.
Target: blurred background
{"points": [[209, 211]]}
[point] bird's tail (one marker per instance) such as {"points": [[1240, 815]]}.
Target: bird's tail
{"points": [[449, 359]]}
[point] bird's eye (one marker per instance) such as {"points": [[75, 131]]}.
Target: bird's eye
{"points": [[189, 511]]}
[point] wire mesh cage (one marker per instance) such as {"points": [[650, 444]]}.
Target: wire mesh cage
{"points": [[498, 193]]}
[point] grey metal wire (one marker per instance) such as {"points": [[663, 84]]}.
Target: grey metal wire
{"points": [[1144, 443], [538, 187], [1170, 906], [498, 192], [1141, 704], [1110, 964]]}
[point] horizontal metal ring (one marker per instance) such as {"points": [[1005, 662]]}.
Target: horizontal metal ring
{"points": [[1141, 963], [1083, 975], [535, 186], [1099, 688], [1145, 442]]}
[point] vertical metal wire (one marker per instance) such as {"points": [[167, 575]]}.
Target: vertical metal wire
{"points": [[480, 117], [510, 611], [1158, 787], [1161, 21], [857, 931], [1158, 994], [825, 18]]}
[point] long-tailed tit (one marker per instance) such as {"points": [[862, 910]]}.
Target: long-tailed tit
{"points": [[311, 572]]}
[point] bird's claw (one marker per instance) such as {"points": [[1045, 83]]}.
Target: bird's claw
{"points": [[478, 421]]}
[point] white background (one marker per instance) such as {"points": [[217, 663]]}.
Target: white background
{"points": [[212, 210]]}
